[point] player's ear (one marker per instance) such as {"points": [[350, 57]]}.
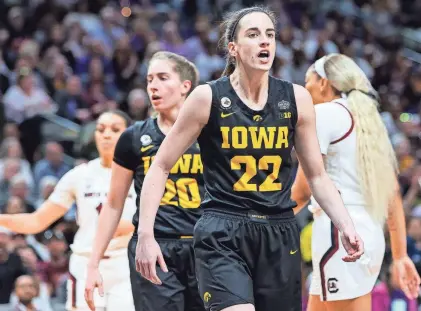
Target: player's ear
{"points": [[324, 85], [186, 87], [232, 49]]}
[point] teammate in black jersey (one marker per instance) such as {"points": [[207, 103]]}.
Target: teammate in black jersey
{"points": [[247, 242], [170, 79]]}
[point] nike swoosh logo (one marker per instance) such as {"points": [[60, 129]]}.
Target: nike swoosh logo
{"points": [[143, 149], [293, 252], [224, 115]]}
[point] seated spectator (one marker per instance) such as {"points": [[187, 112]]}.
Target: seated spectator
{"points": [[58, 266], [125, 63], [20, 188], [10, 130], [12, 149], [27, 295], [15, 205], [11, 266], [70, 103], [24, 100], [47, 185], [52, 164], [138, 104], [9, 168]]}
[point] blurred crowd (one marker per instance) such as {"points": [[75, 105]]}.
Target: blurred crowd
{"points": [[73, 59]]}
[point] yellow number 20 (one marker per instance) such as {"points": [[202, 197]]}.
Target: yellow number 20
{"points": [[181, 189], [251, 167]]}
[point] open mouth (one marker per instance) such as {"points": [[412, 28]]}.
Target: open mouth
{"points": [[155, 97], [264, 55]]}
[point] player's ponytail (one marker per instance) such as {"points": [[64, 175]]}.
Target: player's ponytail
{"points": [[230, 30], [377, 165]]}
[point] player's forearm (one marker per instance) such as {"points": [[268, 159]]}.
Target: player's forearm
{"points": [[397, 228], [329, 199], [300, 192], [22, 223], [108, 222], [152, 192]]}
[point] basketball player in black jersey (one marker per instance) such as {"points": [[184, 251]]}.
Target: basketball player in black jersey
{"points": [[170, 78], [247, 242]]}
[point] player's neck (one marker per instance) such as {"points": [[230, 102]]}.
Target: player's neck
{"points": [[332, 97], [167, 119], [252, 86], [106, 161]]}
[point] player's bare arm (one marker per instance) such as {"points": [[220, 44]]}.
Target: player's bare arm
{"points": [[110, 217], [404, 268], [192, 118], [323, 189], [50, 210], [300, 191], [32, 223]]}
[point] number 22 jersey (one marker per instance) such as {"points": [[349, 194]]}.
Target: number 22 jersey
{"points": [[247, 153], [179, 209]]}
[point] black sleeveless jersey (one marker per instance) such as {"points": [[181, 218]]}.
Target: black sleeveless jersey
{"points": [[179, 208], [246, 153]]}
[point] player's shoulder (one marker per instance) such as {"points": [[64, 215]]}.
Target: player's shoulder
{"points": [[218, 82], [87, 166], [82, 169], [139, 129], [337, 108]]}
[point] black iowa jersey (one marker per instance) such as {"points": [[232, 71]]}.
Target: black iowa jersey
{"points": [[179, 208], [246, 153]]}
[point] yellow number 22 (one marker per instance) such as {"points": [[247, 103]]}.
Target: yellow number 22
{"points": [[251, 167]]}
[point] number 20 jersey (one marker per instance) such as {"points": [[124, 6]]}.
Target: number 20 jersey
{"points": [[246, 153], [179, 209]]}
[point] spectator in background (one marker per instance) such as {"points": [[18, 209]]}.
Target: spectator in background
{"points": [[20, 188], [26, 290], [208, 61], [70, 103], [11, 266], [14, 205], [125, 63], [52, 164], [12, 149], [47, 185], [11, 130], [138, 104], [8, 170], [57, 268], [25, 100]]}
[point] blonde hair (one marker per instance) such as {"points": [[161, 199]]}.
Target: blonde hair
{"points": [[376, 161]]}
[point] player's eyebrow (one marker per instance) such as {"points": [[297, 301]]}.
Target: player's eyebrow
{"points": [[257, 29]]}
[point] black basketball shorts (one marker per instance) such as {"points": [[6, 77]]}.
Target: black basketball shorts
{"points": [[179, 290], [248, 258]]}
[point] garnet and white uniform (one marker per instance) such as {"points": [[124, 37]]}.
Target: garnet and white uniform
{"points": [[87, 186], [334, 279]]}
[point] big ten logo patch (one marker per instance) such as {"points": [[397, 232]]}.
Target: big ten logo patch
{"points": [[332, 285]]}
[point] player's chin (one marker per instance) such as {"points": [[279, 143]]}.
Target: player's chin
{"points": [[263, 66]]}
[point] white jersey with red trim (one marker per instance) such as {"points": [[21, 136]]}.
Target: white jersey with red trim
{"points": [[87, 186], [332, 278], [338, 143]]}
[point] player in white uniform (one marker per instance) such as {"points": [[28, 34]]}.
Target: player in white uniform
{"points": [[360, 161], [87, 186]]}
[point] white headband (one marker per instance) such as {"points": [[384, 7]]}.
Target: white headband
{"points": [[319, 67]]}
